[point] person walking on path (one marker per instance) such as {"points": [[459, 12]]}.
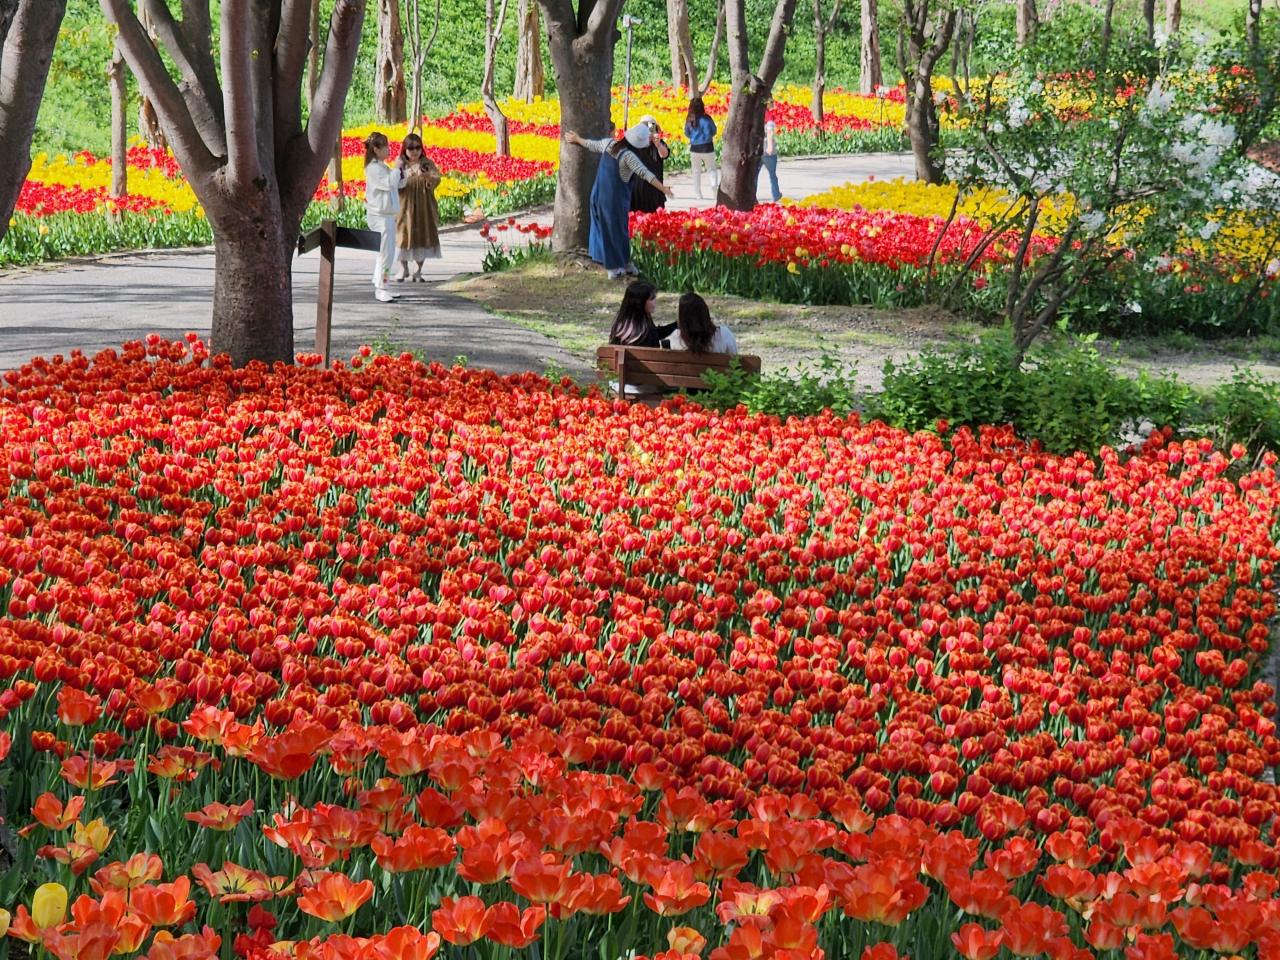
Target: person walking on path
{"points": [[769, 159], [382, 203], [701, 131], [610, 242], [418, 222], [644, 198]]}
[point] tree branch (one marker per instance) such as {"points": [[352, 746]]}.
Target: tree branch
{"points": [[8, 10], [195, 157], [772, 62], [714, 55], [739, 52], [292, 46], [307, 157], [237, 79], [604, 17], [199, 85], [560, 19]]}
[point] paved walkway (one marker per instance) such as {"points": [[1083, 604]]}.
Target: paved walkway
{"points": [[95, 304]]}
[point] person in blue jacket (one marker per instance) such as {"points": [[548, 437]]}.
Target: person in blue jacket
{"points": [[701, 131], [610, 242]]}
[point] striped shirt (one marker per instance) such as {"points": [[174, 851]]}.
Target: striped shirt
{"points": [[629, 164]]}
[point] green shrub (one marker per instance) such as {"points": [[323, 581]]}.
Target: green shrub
{"points": [[784, 393]]}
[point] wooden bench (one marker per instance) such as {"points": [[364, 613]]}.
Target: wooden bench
{"points": [[671, 370]]}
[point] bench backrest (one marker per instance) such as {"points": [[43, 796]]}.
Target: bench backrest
{"points": [[670, 369]]}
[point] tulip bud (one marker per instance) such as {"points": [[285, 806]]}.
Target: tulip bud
{"points": [[4, 922], [49, 905]]}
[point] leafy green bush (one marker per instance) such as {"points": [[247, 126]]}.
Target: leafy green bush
{"points": [[784, 393]]}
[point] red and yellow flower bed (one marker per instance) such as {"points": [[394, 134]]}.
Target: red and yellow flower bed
{"points": [[349, 664]]}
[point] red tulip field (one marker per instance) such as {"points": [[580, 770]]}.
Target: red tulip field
{"points": [[389, 661]]}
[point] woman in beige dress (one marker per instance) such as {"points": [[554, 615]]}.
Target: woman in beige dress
{"points": [[418, 222]]}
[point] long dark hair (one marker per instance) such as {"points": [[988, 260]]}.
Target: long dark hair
{"points": [[697, 110], [694, 321], [633, 320], [412, 141], [373, 143]]}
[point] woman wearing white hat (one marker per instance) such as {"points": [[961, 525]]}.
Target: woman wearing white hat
{"points": [[644, 198], [610, 242]]}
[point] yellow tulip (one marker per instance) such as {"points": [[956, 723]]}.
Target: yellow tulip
{"points": [[4, 921], [49, 905], [93, 834]]}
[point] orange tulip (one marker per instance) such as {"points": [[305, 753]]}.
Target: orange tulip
{"points": [[507, 925], [78, 709], [164, 905], [292, 753], [420, 848], [219, 816], [180, 764], [90, 774], [407, 943], [95, 941], [233, 883], [461, 921], [540, 882], [1030, 928], [675, 891], [973, 942], [133, 931], [49, 812], [193, 946], [718, 855], [685, 940], [139, 869], [334, 897], [343, 829]]}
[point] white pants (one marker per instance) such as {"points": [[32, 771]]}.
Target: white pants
{"points": [[700, 162], [386, 252]]}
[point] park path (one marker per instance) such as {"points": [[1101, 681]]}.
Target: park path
{"points": [[92, 304]]}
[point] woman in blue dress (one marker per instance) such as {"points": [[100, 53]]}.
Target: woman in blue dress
{"points": [[610, 242]]}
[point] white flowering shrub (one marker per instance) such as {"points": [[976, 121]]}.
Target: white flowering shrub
{"points": [[1127, 199]]}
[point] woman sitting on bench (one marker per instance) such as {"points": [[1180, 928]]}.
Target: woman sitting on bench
{"points": [[697, 333], [634, 326]]}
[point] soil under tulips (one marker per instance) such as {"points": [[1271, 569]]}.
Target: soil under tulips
{"points": [[388, 660]]}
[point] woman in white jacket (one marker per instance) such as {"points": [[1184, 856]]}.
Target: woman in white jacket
{"points": [[382, 202]]}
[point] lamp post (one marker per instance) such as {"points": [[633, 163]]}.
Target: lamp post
{"points": [[628, 22]]}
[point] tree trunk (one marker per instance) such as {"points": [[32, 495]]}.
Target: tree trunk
{"points": [[872, 74], [581, 46], [148, 122], [119, 127], [388, 84], [1149, 19], [921, 43], [1252, 25], [240, 137], [252, 281], [1172, 16], [28, 31], [1027, 20], [530, 83], [744, 126], [419, 49], [313, 58], [493, 36], [680, 39]]}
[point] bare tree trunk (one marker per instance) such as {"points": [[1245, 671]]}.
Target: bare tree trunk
{"points": [[418, 50], [1172, 16], [713, 55], [1252, 25], [581, 44], [917, 56], [680, 39], [744, 126], [872, 74], [28, 31], [239, 136], [1149, 18], [821, 28], [119, 127], [530, 83], [1027, 20], [388, 82], [492, 37], [148, 122]]}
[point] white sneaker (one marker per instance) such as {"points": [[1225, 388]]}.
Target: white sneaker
{"points": [[615, 274], [632, 269], [382, 296]]}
